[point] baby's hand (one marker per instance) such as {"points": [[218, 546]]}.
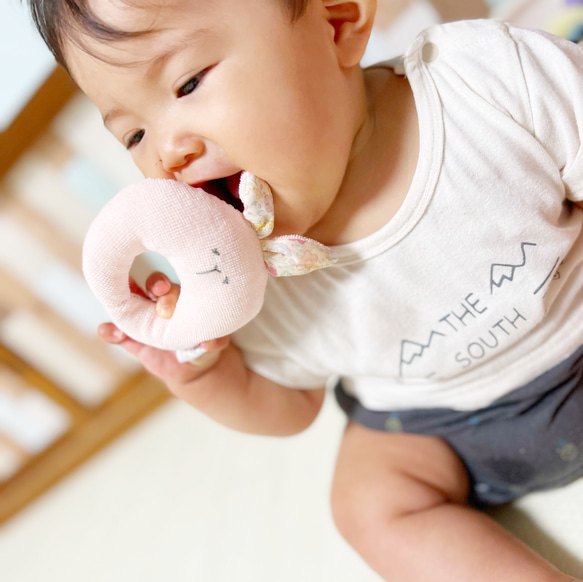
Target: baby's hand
{"points": [[164, 293], [163, 363]]}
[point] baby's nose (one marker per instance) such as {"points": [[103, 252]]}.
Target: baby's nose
{"points": [[177, 154]]}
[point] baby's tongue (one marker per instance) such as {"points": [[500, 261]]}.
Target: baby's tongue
{"points": [[233, 184]]}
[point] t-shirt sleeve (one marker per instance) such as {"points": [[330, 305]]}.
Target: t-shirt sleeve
{"points": [[266, 356], [532, 76], [552, 71]]}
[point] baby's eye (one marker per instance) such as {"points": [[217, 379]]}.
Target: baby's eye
{"points": [[191, 85], [135, 139]]}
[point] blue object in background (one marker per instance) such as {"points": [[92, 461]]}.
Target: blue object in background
{"points": [[89, 182]]}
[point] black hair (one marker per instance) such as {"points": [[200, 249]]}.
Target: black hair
{"points": [[56, 19]]}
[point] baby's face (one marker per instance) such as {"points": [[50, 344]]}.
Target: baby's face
{"points": [[221, 86]]}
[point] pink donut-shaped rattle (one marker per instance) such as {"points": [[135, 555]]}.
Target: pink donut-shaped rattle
{"points": [[214, 250]]}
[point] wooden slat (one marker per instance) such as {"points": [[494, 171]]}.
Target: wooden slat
{"points": [[455, 10], [92, 428], [16, 296], [53, 149], [22, 455], [42, 230], [34, 119], [35, 379], [130, 404], [7, 442], [388, 10]]}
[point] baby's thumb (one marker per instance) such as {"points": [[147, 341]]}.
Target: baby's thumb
{"points": [[165, 304]]}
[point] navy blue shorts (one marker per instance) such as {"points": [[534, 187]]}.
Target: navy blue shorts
{"points": [[529, 440]]}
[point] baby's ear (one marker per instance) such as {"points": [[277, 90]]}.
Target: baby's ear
{"points": [[352, 22]]}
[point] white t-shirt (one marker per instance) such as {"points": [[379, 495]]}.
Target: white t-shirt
{"points": [[475, 286]]}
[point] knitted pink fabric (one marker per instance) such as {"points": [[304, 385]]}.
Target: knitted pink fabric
{"points": [[214, 250]]}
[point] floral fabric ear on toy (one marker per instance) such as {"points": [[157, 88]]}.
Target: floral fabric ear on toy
{"points": [[221, 256]]}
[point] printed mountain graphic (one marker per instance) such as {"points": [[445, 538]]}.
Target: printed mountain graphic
{"points": [[410, 350], [500, 272]]}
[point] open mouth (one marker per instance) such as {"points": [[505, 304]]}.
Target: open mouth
{"points": [[225, 189]]}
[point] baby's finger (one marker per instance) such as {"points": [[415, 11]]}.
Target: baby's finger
{"points": [[110, 333], [158, 284], [166, 304]]}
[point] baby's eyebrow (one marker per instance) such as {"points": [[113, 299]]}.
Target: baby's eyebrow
{"points": [[194, 37], [158, 62], [110, 116], [155, 64]]}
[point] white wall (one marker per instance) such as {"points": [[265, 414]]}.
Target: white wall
{"points": [[25, 62]]}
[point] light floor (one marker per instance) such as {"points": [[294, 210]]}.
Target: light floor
{"points": [[180, 499]]}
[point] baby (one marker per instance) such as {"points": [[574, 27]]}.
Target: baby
{"points": [[448, 183]]}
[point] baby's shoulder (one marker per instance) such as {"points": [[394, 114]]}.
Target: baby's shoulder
{"points": [[485, 50], [491, 62]]}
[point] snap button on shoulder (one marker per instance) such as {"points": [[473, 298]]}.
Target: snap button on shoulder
{"points": [[429, 52]]}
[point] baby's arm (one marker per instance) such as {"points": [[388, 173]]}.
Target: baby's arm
{"points": [[218, 383]]}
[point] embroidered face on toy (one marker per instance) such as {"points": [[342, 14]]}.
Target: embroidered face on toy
{"points": [[217, 252]]}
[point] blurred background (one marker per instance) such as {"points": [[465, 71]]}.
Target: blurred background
{"points": [[103, 477]]}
